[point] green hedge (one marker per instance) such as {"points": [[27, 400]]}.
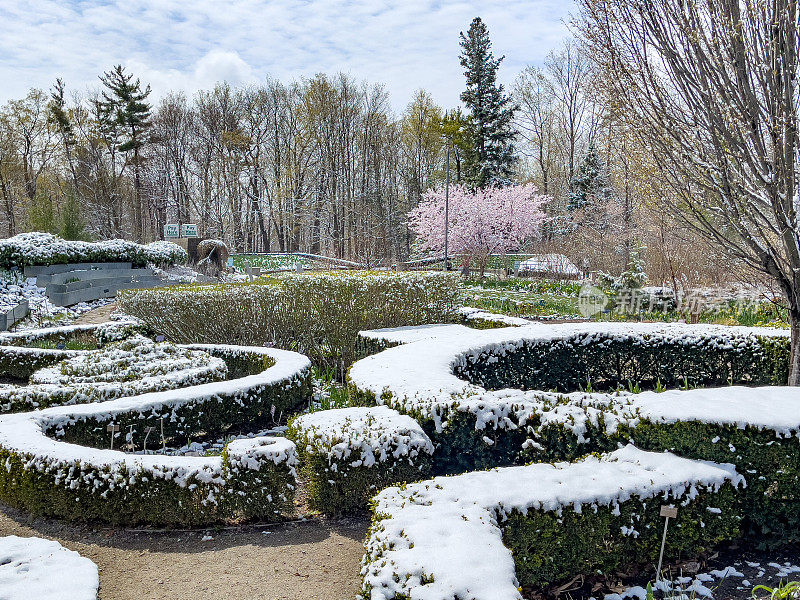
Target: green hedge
{"points": [[214, 410], [770, 464], [85, 492], [318, 314], [348, 455], [550, 549], [609, 361]]}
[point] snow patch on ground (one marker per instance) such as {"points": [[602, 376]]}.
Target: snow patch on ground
{"points": [[38, 569]]}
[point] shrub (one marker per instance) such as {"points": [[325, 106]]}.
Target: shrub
{"points": [[252, 479], [134, 366], [610, 360], [347, 455], [480, 535], [319, 314], [36, 248]]}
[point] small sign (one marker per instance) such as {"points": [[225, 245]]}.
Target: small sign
{"points": [[669, 511], [189, 230], [171, 231], [112, 428]]}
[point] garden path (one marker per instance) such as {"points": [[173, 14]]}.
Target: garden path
{"points": [[305, 560]]}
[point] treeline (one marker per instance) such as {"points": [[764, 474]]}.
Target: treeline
{"points": [[325, 165]]}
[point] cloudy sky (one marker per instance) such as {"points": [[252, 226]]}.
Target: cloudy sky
{"points": [[191, 44]]}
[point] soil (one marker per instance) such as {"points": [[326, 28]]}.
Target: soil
{"points": [[302, 560]]}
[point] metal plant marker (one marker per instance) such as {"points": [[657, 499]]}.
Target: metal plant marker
{"points": [[668, 512], [147, 432], [113, 429]]}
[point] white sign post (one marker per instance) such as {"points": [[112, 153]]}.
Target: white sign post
{"points": [[189, 230], [171, 231], [668, 512]]}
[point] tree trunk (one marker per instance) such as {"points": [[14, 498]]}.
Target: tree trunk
{"points": [[794, 358]]}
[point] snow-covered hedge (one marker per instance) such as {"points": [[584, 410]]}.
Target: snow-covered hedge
{"points": [[319, 314], [482, 535], [31, 249], [134, 366], [425, 374], [349, 454], [755, 428], [47, 472], [34, 568], [23, 353]]}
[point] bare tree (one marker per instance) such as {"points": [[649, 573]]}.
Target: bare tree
{"points": [[711, 88]]}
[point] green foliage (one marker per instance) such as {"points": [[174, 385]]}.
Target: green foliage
{"points": [[72, 223], [770, 464], [590, 185], [318, 314], [137, 497], [550, 548], [254, 408], [336, 487], [489, 159], [611, 360], [42, 213], [785, 591]]}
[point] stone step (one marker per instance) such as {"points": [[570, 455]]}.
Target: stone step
{"points": [[44, 273], [99, 274], [95, 292]]}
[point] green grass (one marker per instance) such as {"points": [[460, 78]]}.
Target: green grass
{"points": [[553, 299], [271, 262], [524, 297], [336, 395]]}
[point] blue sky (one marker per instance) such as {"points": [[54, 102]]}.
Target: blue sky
{"points": [[191, 44]]}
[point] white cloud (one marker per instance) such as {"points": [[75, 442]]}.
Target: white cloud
{"points": [[174, 44]]}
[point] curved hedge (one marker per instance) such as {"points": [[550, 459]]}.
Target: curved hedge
{"points": [[71, 477], [481, 535], [136, 365], [473, 427]]}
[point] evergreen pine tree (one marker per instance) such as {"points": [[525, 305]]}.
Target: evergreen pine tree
{"points": [[126, 102], [590, 185], [489, 159]]}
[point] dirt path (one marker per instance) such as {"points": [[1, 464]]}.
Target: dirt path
{"points": [[311, 560], [97, 315]]}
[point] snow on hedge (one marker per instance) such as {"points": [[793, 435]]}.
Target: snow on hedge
{"points": [[442, 539], [134, 366], [417, 374], [480, 316], [773, 408], [34, 568], [30, 454], [362, 436], [36, 248]]}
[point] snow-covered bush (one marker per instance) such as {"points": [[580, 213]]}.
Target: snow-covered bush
{"points": [[483, 535], [319, 314], [757, 429], [349, 454], [443, 376], [131, 367], [35, 568], [47, 472], [36, 248]]}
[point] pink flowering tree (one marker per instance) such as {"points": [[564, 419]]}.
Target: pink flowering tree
{"points": [[482, 222]]}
